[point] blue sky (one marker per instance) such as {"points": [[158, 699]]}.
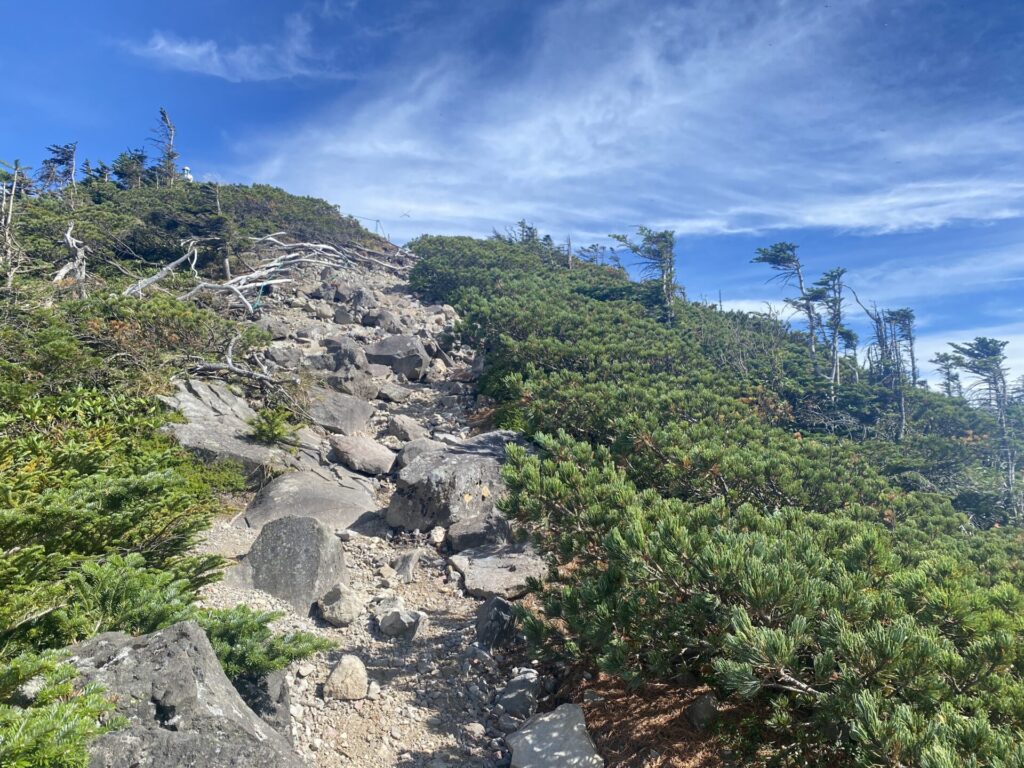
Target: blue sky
{"points": [[883, 136]]}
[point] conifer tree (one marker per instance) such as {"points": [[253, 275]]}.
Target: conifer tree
{"points": [[656, 251]]}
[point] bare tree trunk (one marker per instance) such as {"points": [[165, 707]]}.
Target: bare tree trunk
{"points": [[78, 264]]}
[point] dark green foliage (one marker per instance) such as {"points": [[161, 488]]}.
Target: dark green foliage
{"points": [[272, 425], [701, 515], [246, 646]]}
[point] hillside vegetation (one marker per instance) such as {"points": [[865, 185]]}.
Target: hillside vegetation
{"points": [[99, 509], [703, 516]]}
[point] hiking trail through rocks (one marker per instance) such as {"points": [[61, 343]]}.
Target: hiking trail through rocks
{"points": [[379, 531]]}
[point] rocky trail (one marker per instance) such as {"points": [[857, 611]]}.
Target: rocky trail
{"points": [[378, 530]]}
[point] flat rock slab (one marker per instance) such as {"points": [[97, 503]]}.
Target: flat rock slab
{"points": [[556, 739], [498, 570], [337, 412], [362, 454], [217, 429], [297, 559], [181, 708], [337, 504], [405, 355]]}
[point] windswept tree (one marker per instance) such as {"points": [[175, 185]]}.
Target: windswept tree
{"points": [[166, 169], [782, 258], [985, 360], [15, 185], [57, 172], [130, 168], [946, 364], [827, 292], [656, 252]]}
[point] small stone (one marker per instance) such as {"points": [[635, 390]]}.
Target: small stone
{"points": [[305, 669], [508, 724], [703, 712], [341, 606], [475, 731], [348, 680]]}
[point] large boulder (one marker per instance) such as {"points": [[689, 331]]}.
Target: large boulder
{"points": [[347, 350], [180, 706], [337, 412], [297, 559], [404, 354], [337, 504], [406, 428], [495, 624], [556, 739], [217, 428], [498, 570], [363, 454], [416, 448], [457, 486]]}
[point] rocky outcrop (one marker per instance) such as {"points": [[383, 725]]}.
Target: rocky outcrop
{"points": [[405, 355], [181, 708], [337, 503], [338, 412], [362, 454], [557, 739], [297, 559], [216, 428], [454, 487], [498, 570]]}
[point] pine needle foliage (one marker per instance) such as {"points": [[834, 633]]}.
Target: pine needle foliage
{"points": [[695, 525]]}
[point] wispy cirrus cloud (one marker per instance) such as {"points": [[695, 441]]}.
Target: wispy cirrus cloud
{"points": [[708, 118], [292, 56]]}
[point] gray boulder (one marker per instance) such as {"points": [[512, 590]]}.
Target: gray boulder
{"points": [[180, 706], [270, 698], [406, 428], [286, 357], [348, 680], [355, 382], [394, 393], [402, 623], [404, 354], [416, 448], [297, 559], [347, 350], [363, 454], [384, 319], [519, 696], [500, 570], [340, 606], [556, 739], [457, 485], [337, 504], [337, 412], [217, 428], [343, 316], [277, 328], [495, 623]]}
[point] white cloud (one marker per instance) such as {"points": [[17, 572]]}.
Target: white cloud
{"points": [[292, 56], [708, 117]]}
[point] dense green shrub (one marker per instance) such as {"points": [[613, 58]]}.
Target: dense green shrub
{"points": [[699, 519]]}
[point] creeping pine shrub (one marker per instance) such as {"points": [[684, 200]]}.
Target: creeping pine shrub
{"points": [[691, 529], [272, 425]]}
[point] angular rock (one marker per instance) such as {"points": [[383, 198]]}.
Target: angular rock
{"points": [[181, 708], [270, 698], [286, 357], [478, 531], [297, 559], [363, 454], [416, 448], [498, 569], [355, 382], [337, 412], [217, 429], [348, 680], [495, 623], [405, 566], [404, 354], [557, 739], [519, 696], [347, 350], [340, 606], [277, 328], [336, 503], [446, 487], [402, 623], [342, 316], [406, 428], [393, 393], [384, 319], [702, 712]]}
